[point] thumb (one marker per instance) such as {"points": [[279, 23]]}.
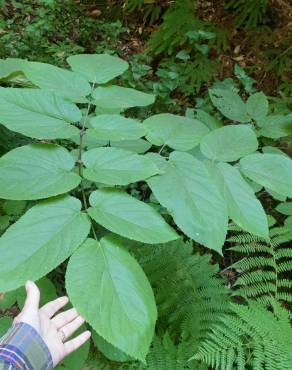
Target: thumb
{"points": [[32, 297]]}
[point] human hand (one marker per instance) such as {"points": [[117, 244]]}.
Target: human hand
{"points": [[54, 329]]}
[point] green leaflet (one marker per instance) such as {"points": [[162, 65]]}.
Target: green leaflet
{"points": [[190, 196], [4, 222], [5, 324], [110, 290], [11, 67], [230, 104], [115, 127], [114, 96], [285, 208], [38, 114], [208, 120], [37, 171], [14, 207], [177, 132], [114, 166], [229, 143], [273, 171], [276, 195], [138, 146], [40, 240], [288, 222], [124, 215], [257, 106], [273, 150], [68, 84], [243, 207], [97, 68], [276, 126]]}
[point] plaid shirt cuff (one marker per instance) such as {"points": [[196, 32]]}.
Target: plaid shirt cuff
{"points": [[22, 348]]}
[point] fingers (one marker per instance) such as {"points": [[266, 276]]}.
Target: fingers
{"points": [[72, 326], [51, 308], [77, 342], [64, 318], [32, 297]]}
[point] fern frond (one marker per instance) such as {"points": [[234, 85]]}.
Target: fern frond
{"points": [[251, 337], [264, 265], [190, 298], [177, 21], [166, 355], [250, 13]]}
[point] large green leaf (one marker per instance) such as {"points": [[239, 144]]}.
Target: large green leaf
{"points": [[243, 206], [40, 240], [121, 97], [37, 171], [229, 143], [270, 170], [110, 290], [37, 113], [98, 68], [114, 166], [129, 217], [257, 106], [190, 196], [67, 83], [276, 126], [115, 127], [230, 104], [177, 132]]}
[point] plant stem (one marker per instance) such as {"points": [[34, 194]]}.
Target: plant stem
{"points": [[79, 160]]}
